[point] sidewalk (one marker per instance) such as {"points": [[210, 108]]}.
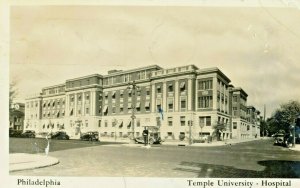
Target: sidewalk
{"points": [[213, 143], [296, 148], [24, 161]]}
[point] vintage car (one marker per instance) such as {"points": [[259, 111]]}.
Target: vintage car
{"points": [[279, 139], [28, 134], [60, 135], [15, 133], [90, 136], [153, 136]]}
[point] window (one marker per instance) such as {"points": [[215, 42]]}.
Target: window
{"points": [[182, 86], [113, 109], [147, 106], [182, 120], [79, 111], [234, 98], [234, 125], [158, 89], [121, 93], [205, 102], [86, 123], [170, 134], [99, 123], [121, 109], [208, 121], [183, 103], [87, 110], [205, 84], [79, 97], [170, 88], [170, 121], [158, 105], [248, 127], [113, 95], [201, 121], [138, 122], [87, 96], [170, 104], [105, 123], [138, 106], [129, 93], [147, 91], [129, 107]]}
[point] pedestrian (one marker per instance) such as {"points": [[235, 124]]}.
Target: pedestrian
{"points": [[145, 135]]}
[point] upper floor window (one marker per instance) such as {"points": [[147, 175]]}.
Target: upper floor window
{"points": [[205, 84], [182, 86], [170, 88], [158, 89]]}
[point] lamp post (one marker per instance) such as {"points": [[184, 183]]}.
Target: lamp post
{"points": [[134, 88]]}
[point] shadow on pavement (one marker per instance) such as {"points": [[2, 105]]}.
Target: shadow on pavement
{"points": [[273, 169]]}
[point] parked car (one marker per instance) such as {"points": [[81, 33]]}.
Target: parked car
{"points": [[90, 136], [153, 137], [60, 135], [279, 138], [15, 133], [28, 134]]}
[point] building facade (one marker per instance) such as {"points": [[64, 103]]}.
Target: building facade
{"points": [[181, 101]]}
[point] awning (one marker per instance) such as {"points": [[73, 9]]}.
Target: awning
{"points": [[158, 102], [104, 109], [170, 84], [121, 105], [138, 104], [170, 101], [129, 124], [105, 94], [147, 104], [121, 124], [182, 118], [129, 106], [121, 92], [182, 85], [158, 87]]}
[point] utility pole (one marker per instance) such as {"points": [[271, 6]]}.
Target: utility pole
{"points": [[134, 88]]}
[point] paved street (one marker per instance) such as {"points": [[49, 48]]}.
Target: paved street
{"points": [[255, 159]]}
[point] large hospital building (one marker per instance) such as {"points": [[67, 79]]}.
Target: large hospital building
{"points": [[179, 101]]}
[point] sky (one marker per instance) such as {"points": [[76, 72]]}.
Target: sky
{"points": [[256, 47]]}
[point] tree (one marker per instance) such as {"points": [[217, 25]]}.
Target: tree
{"points": [[218, 128], [284, 116], [12, 94]]}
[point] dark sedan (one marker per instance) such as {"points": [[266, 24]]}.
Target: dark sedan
{"points": [[28, 134], [60, 135], [90, 136]]}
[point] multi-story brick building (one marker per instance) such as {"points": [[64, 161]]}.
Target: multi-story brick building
{"points": [[171, 99]]}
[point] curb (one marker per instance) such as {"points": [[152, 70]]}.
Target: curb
{"points": [[22, 161]]}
